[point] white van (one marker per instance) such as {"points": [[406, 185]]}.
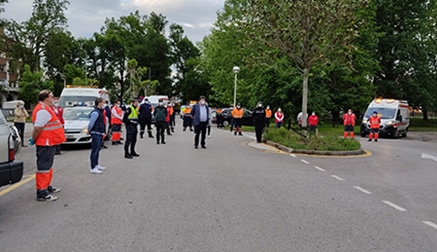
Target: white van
{"points": [[394, 114], [81, 96]]}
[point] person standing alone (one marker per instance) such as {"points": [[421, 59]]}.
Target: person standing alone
{"points": [[374, 121], [279, 118], [200, 114], [160, 113], [313, 121], [47, 134], [20, 115], [96, 128], [259, 119], [349, 123], [237, 115], [131, 121]]}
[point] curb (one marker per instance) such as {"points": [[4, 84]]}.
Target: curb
{"points": [[315, 152]]}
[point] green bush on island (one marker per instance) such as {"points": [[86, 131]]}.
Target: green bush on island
{"points": [[292, 140]]}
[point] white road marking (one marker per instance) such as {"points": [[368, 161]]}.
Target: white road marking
{"points": [[337, 177], [424, 155], [429, 223], [304, 161], [394, 206], [362, 190], [318, 168], [293, 155]]}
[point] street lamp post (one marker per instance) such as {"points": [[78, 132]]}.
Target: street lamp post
{"points": [[236, 70]]}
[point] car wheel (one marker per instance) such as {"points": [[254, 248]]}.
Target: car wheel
{"points": [[225, 123], [394, 133]]}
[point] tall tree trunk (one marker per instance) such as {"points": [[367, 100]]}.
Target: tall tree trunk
{"points": [[306, 71]]}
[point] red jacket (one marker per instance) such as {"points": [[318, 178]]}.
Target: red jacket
{"points": [[60, 113], [313, 120], [349, 119]]}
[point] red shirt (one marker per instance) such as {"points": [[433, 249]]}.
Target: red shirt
{"points": [[313, 120], [349, 119], [59, 111]]}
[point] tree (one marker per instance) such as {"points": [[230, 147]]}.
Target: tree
{"points": [[306, 31], [31, 84], [31, 37]]}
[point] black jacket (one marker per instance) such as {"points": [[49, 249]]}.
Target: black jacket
{"points": [[259, 116]]}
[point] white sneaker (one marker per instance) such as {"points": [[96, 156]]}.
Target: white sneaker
{"points": [[101, 168], [96, 170]]}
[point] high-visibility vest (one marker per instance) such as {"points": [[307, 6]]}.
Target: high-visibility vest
{"points": [[375, 121], [268, 113], [52, 133], [133, 116], [119, 112], [238, 113], [349, 119]]}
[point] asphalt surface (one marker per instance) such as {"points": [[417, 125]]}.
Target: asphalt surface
{"points": [[236, 195]]}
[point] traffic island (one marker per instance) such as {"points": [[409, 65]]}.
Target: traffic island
{"points": [[316, 152]]}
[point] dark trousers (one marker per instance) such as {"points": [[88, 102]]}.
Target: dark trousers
{"points": [[200, 130], [160, 128], [20, 128], [143, 123], [188, 121], [131, 138], [259, 127], [96, 142]]}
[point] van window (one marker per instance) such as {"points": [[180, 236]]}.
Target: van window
{"points": [[70, 101], [384, 113]]}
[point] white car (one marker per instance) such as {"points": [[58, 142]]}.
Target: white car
{"points": [[76, 124]]}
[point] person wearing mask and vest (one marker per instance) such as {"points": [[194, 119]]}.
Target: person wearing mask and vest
{"points": [[349, 123], [131, 121], [237, 114], [146, 118], [59, 111], [96, 128], [20, 115], [188, 120], [47, 134], [168, 118], [160, 113], [259, 119], [313, 121], [279, 118], [200, 114], [374, 121], [116, 122], [269, 114]]}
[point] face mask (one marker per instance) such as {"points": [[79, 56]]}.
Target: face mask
{"points": [[238, 107], [375, 114], [259, 105], [268, 107], [313, 113], [160, 104], [350, 113], [202, 102], [279, 110], [21, 106]]}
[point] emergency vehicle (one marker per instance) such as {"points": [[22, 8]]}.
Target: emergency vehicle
{"points": [[394, 114], [81, 95]]}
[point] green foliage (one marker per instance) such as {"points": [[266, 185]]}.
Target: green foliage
{"points": [[323, 143], [31, 84]]}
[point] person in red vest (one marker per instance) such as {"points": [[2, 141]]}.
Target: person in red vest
{"points": [[279, 118], [349, 123], [374, 121], [116, 122], [59, 111], [47, 134], [313, 121]]}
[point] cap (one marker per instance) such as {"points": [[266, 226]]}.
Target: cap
{"points": [[238, 104], [20, 103], [375, 112]]}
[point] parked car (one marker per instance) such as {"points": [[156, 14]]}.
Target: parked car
{"points": [[76, 125], [227, 117], [11, 170]]}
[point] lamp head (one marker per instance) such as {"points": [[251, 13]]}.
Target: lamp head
{"points": [[236, 69]]}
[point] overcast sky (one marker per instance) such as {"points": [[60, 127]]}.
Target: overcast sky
{"points": [[87, 16]]}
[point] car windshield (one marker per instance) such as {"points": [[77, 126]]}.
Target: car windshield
{"points": [[77, 114], [384, 113], [68, 101]]}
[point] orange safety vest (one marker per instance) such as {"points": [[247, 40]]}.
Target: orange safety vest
{"points": [[187, 112], [119, 112], [52, 133], [171, 110], [268, 113], [374, 122], [238, 113]]}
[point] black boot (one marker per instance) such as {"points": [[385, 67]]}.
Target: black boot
{"points": [[127, 155]]}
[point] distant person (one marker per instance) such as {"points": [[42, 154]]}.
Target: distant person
{"points": [[313, 122], [259, 119], [96, 128], [168, 118], [59, 111], [20, 115], [172, 117], [200, 113], [375, 122], [160, 113], [269, 114], [279, 118], [300, 118], [349, 123], [116, 122], [237, 115], [130, 119], [47, 134], [188, 119], [146, 118]]}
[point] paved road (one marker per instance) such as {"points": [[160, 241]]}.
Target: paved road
{"points": [[235, 196]]}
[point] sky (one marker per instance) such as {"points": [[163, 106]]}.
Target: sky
{"points": [[87, 16]]}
